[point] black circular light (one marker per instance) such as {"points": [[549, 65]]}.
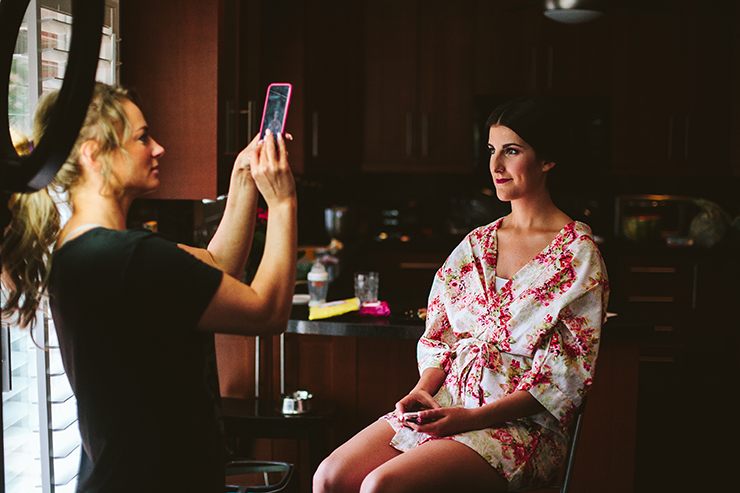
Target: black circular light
{"points": [[35, 171]]}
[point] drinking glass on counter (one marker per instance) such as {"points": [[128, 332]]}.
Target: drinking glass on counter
{"points": [[366, 286]]}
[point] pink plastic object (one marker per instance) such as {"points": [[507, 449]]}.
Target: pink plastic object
{"points": [[378, 309]]}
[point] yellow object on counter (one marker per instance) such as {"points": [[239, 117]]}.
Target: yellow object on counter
{"points": [[333, 308]]}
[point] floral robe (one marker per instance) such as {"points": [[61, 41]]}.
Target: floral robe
{"points": [[539, 333]]}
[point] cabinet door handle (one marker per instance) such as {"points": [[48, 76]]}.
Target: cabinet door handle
{"points": [[315, 134], [409, 134], [419, 265], [425, 135], [249, 112], [658, 359], [653, 270], [651, 299], [695, 287], [230, 126], [686, 138], [257, 365], [250, 120]]}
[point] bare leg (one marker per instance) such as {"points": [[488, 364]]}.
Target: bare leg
{"points": [[346, 467], [438, 465]]}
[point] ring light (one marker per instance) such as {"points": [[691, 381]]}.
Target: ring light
{"points": [[35, 171]]}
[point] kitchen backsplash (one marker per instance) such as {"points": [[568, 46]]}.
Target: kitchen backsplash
{"points": [[433, 212]]}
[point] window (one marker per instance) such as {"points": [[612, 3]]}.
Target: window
{"points": [[40, 57], [40, 435]]}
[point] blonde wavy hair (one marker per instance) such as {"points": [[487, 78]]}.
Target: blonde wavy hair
{"points": [[35, 225]]}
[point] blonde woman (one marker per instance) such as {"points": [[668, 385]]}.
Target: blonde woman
{"points": [[134, 313]]}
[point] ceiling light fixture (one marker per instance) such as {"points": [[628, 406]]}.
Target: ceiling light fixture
{"points": [[573, 11]]}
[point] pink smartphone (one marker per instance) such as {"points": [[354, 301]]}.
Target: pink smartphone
{"points": [[412, 417], [276, 108]]}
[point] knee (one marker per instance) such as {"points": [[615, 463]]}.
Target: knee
{"points": [[327, 477], [379, 481]]}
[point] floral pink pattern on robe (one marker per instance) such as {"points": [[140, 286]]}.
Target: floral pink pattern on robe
{"points": [[539, 333]]}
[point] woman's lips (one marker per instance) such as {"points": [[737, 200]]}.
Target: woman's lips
{"points": [[500, 181]]}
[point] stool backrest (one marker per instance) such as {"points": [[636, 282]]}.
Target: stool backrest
{"points": [[570, 457]]}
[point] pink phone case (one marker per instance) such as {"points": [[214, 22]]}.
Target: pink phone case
{"points": [[286, 89]]}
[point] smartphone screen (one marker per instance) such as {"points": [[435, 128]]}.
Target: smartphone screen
{"points": [[276, 109]]}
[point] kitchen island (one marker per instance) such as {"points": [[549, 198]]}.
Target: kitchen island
{"points": [[364, 364]]}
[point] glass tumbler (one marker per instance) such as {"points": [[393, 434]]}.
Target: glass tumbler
{"points": [[366, 286]]}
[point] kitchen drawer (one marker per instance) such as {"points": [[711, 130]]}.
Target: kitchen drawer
{"points": [[661, 353], [663, 291], [669, 319], [659, 282]]}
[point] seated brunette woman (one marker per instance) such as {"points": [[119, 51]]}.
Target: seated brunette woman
{"points": [[510, 346]]}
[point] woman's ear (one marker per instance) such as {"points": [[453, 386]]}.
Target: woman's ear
{"points": [[548, 165], [89, 156]]}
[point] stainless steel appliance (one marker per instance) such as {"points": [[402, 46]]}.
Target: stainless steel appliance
{"points": [[654, 218]]}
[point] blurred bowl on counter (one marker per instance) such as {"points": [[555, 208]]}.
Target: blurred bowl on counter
{"points": [[642, 228]]}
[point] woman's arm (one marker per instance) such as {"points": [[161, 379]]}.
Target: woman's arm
{"points": [[229, 248], [264, 307], [446, 421], [420, 396]]}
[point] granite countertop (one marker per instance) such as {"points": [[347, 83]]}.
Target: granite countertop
{"points": [[624, 326], [355, 325]]}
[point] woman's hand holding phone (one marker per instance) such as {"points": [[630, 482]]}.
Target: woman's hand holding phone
{"points": [[443, 421], [272, 172], [410, 408]]}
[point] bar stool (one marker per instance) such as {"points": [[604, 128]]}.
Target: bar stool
{"points": [[264, 468], [263, 418], [570, 456]]}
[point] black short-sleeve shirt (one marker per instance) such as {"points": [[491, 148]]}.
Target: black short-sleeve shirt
{"points": [[126, 306]]}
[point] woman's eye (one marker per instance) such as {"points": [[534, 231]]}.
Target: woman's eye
{"points": [[511, 151], [491, 151], [144, 138]]}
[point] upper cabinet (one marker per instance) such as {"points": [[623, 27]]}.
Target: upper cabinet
{"points": [[418, 111], [385, 86], [518, 52], [333, 79], [735, 138], [189, 66], [671, 88], [317, 46]]}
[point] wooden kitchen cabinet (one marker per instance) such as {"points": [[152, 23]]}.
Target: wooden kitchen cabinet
{"points": [[316, 46], [365, 377], [362, 377], [521, 52], [418, 86], [407, 277], [334, 86], [735, 64], [671, 83], [193, 68], [663, 290], [689, 298]]}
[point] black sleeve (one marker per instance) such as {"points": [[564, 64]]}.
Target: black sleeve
{"points": [[169, 286]]}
